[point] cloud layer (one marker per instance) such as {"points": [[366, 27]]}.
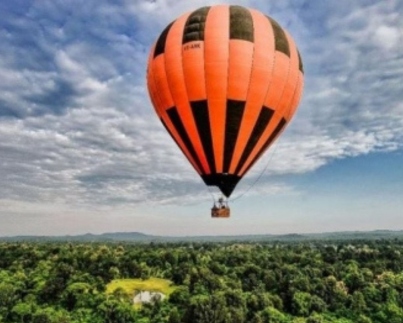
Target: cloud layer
{"points": [[77, 127]]}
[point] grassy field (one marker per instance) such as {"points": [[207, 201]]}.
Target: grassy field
{"points": [[131, 285]]}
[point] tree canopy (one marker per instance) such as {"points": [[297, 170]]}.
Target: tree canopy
{"points": [[327, 282]]}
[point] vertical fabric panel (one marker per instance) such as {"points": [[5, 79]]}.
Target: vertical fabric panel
{"points": [[150, 82], [160, 45], [285, 102], [216, 68], [235, 111], [193, 54], [299, 82], [239, 69], [281, 41], [296, 98], [161, 82], [193, 71], [278, 80], [201, 116], [260, 77], [195, 24], [241, 23], [177, 86]]}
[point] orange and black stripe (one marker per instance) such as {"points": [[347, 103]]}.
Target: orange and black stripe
{"points": [[225, 81]]}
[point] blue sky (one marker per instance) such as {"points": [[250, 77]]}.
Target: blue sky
{"points": [[81, 149]]}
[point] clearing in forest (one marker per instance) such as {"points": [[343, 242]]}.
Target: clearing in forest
{"points": [[132, 286]]}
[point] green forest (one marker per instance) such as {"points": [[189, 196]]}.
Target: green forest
{"points": [[228, 282]]}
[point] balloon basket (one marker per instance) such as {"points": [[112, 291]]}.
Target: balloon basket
{"points": [[220, 212], [220, 209]]}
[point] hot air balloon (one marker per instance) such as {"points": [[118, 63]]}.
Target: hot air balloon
{"points": [[225, 81]]}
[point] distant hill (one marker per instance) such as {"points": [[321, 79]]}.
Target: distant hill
{"points": [[139, 237]]}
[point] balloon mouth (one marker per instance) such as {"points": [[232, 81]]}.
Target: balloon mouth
{"points": [[225, 182]]}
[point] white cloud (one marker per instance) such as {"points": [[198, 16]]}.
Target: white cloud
{"points": [[388, 37]]}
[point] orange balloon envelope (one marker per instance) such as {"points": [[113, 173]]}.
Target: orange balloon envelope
{"points": [[225, 81]]}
